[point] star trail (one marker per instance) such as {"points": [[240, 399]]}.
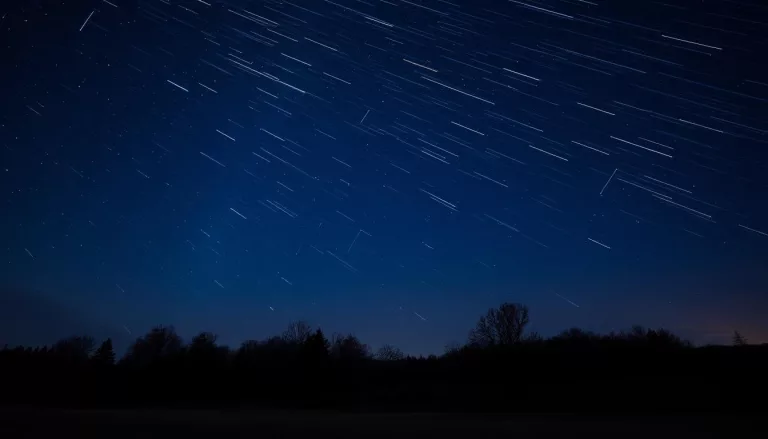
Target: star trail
{"points": [[391, 168]]}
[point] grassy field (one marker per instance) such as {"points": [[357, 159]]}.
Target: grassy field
{"points": [[111, 424]]}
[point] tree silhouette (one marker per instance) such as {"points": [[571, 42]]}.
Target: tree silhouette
{"points": [[575, 334], [389, 353], [105, 354], [662, 338], [637, 334], [203, 343], [249, 346], [533, 337], [452, 348], [316, 346], [500, 326], [301, 369], [247, 355], [74, 349], [297, 332], [204, 352], [160, 343], [348, 347], [738, 339], [640, 336]]}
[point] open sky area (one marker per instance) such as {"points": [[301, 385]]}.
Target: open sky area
{"points": [[388, 168]]}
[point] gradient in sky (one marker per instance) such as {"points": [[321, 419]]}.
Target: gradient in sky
{"points": [[391, 168]]}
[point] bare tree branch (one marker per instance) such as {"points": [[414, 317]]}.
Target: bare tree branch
{"points": [[297, 332], [389, 353], [504, 325]]}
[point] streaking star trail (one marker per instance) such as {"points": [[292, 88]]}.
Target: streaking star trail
{"points": [[612, 151]]}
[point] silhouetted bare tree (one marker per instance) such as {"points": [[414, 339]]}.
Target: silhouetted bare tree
{"points": [[503, 326], [297, 332], [389, 353]]}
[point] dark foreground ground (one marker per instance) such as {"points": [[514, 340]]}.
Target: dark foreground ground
{"points": [[38, 423]]}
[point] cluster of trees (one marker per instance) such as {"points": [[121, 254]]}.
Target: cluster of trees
{"points": [[501, 366]]}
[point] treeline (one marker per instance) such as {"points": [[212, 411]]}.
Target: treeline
{"points": [[501, 367]]}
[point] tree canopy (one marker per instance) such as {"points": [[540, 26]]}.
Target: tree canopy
{"points": [[502, 364]]}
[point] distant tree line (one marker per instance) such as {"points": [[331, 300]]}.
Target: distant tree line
{"points": [[502, 366]]}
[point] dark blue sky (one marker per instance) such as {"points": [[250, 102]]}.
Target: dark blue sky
{"points": [[391, 168]]}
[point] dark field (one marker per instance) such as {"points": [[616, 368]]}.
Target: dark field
{"points": [[15, 423]]}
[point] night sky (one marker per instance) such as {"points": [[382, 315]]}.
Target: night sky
{"points": [[390, 168]]}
